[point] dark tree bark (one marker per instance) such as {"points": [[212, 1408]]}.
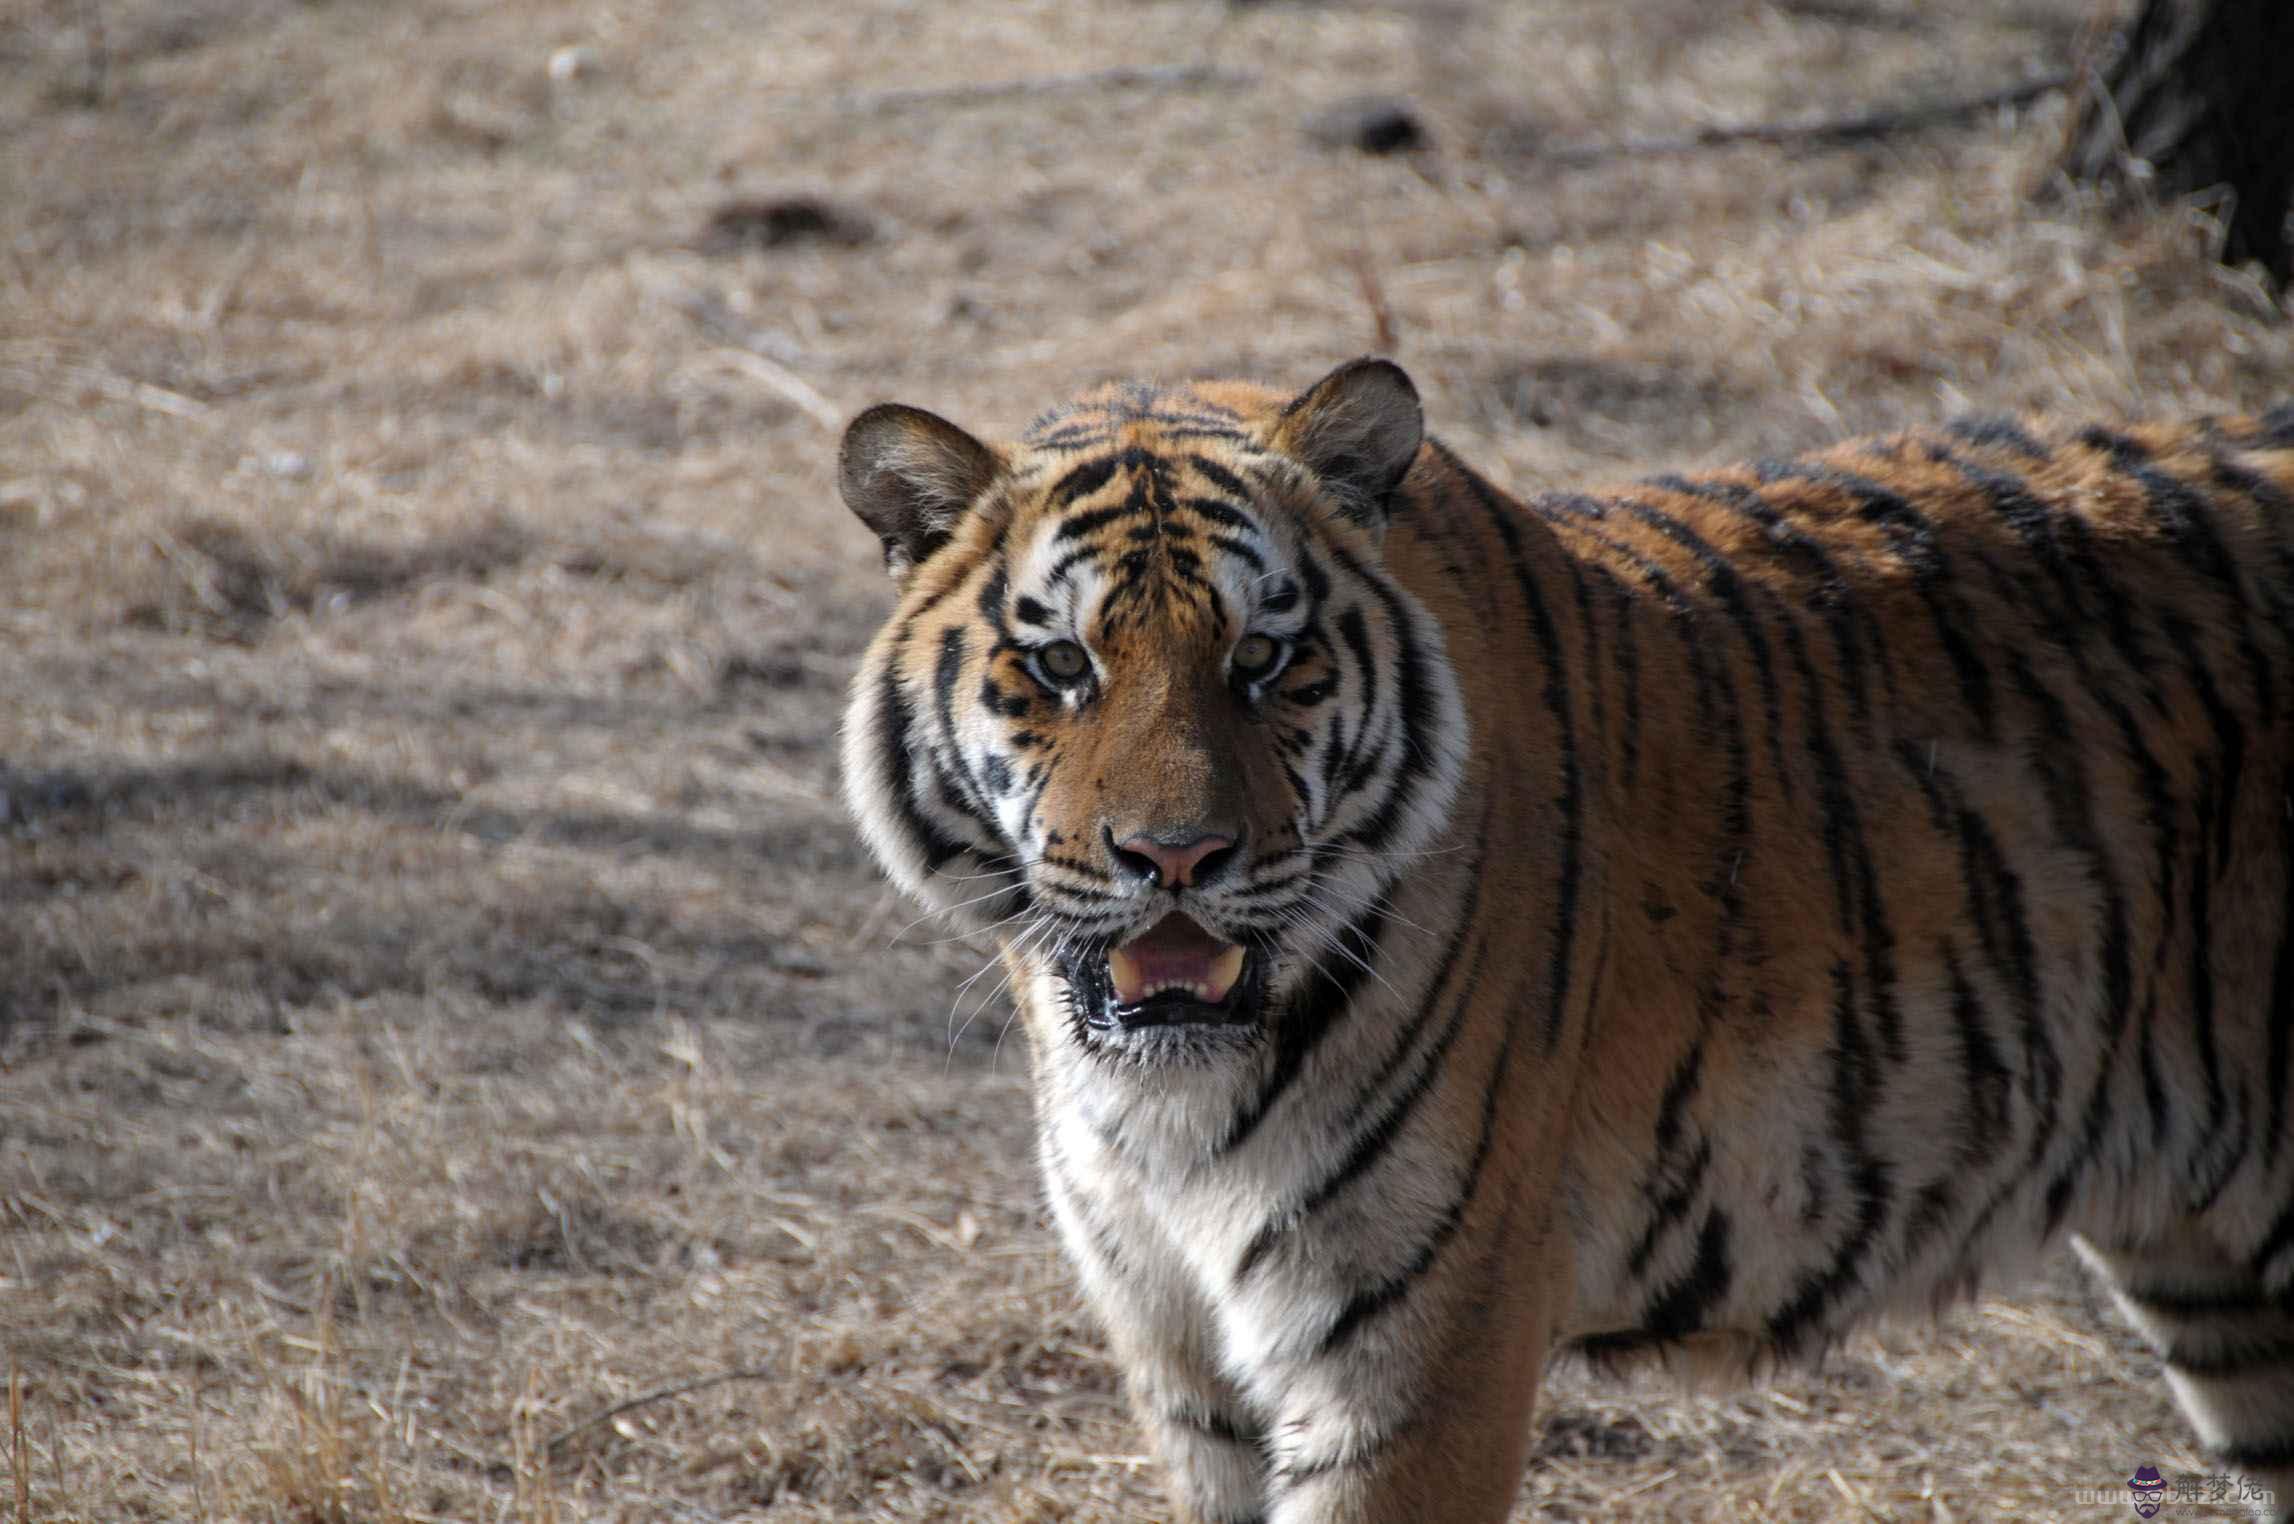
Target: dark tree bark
{"points": [[2202, 91]]}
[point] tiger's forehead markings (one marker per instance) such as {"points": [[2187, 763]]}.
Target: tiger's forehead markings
{"points": [[1120, 516], [1137, 515], [1107, 416]]}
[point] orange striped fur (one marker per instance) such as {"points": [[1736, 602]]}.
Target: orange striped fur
{"points": [[1681, 921]]}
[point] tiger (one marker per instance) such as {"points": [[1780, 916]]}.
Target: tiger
{"points": [[1678, 924]]}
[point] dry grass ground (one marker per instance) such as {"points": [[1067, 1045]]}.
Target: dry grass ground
{"points": [[439, 994]]}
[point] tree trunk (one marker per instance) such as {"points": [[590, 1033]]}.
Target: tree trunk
{"points": [[2202, 91]]}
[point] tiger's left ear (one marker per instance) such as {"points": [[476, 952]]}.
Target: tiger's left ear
{"points": [[911, 476], [1357, 429]]}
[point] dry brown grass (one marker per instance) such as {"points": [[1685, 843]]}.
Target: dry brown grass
{"points": [[439, 994]]}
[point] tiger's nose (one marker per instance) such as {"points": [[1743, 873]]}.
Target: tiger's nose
{"points": [[1184, 863]]}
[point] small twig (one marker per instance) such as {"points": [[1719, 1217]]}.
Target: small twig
{"points": [[1862, 127], [1129, 77], [785, 384], [556, 1441], [1374, 297], [2094, 39], [744, 351], [198, 1471], [99, 52], [19, 1450]]}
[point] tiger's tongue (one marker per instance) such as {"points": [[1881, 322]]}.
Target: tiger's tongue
{"points": [[1178, 955]]}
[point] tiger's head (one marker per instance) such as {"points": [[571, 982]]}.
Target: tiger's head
{"points": [[1150, 707]]}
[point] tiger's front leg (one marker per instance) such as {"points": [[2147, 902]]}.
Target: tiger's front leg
{"points": [[1159, 1331], [1211, 1449], [1419, 1408]]}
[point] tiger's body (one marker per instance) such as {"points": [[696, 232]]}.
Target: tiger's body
{"points": [[1687, 921]]}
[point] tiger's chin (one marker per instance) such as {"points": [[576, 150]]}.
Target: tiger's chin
{"points": [[1177, 993]]}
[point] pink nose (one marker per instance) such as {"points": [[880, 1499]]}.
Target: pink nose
{"points": [[1175, 864]]}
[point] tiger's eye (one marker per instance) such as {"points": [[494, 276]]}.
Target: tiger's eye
{"points": [[1063, 661], [1256, 654]]}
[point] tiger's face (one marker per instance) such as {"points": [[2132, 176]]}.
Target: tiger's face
{"points": [[1150, 708]]}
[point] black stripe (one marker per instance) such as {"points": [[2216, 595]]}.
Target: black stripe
{"points": [[2217, 790], [1915, 543], [992, 590], [2059, 756], [1102, 1239], [1082, 481], [1721, 579], [1137, 498], [1591, 660], [1334, 754], [1413, 687], [1682, 1307], [1307, 695], [1189, 432], [1862, 908], [2271, 516], [1362, 769], [898, 770], [1057, 576], [1071, 436], [1371, 1143], [1854, 1093], [1834, 595], [2274, 1243], [1366, 1305], [1012, 706], [1211, 1425], [1996, 905], [949, 754], [1355, 631], [1715, 710], [1629, 681], [1338, 755], [1241, 550], [1217, 512], [2000, 433], [1220, 477], [2277, 427], [1671, 1191], [1324, 1004], [1557, 704], [1674, 1177], [2092, 598], [2087, 597], [1986, 1079], [2187, 519], [2281, 1014]]}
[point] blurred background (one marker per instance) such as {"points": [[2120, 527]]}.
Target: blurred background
{"points": [[441, 997]]}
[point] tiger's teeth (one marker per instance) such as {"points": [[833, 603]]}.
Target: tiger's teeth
{"points": [[1226, 968], [1130, 980], [1133, 983]]}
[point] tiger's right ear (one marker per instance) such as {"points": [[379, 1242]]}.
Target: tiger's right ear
{"points": [[910, 476], [1358, 429]]}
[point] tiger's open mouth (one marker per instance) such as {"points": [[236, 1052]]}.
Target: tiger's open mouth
{"points": [[1172, 975]]}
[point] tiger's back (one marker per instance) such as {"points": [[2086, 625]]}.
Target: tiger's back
{"points": [[1966, 844], [1821, 887]]}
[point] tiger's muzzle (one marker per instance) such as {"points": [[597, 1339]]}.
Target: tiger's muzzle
{"points": [[1177, 977]]}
